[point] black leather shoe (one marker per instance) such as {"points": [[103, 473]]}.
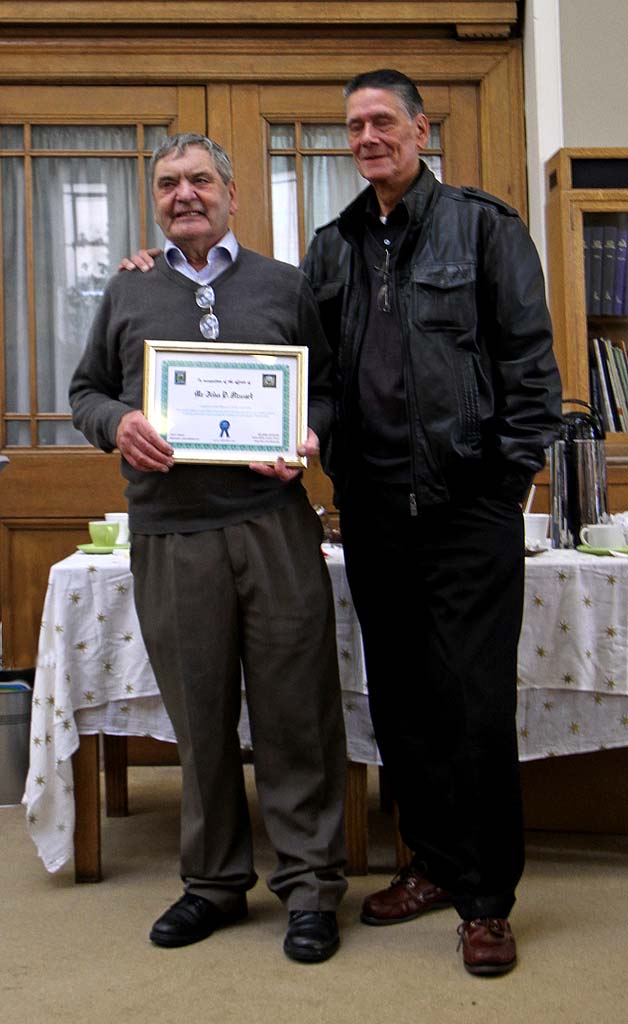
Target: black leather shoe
{"points": [[191, 919], [312, 936]]}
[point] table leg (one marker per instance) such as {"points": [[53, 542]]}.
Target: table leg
{"points": [[87, 860], [116, 788], [356, 819]]}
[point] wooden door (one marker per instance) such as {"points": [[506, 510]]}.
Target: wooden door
{"points": [[52, 487], [54, 484]]}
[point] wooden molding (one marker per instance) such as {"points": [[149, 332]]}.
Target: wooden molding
{"points": [[258, 12], [203, 60], [477, 31]]}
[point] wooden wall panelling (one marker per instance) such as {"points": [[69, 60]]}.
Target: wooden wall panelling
{"points": [[479, 17], [312, 57], [461, 139], [248, 152], [502, 131], [28, 548], [219, 119], [190, 105]]}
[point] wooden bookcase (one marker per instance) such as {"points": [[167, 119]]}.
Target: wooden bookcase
{"points": [[585, 187]]}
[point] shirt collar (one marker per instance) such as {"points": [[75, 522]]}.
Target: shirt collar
{"points": [[223, 253]]}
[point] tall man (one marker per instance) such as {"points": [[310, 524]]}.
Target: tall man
{"points": [[228, 569], [432, 298]]}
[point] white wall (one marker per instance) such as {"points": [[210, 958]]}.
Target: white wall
{"points": [[594, 60], [543, 106], [576, 86]]}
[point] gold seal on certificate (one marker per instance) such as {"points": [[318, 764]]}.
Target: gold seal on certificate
{"points": [[228, 404]]}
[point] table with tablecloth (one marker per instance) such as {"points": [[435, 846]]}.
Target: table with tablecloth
{"points": [[93, 674]]}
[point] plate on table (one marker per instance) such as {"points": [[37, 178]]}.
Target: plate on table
{"points": [[586, 550], [95, 549], [535, 547]]}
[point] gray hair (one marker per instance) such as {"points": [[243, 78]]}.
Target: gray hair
{"points": [[394, 81], [179, 143]]}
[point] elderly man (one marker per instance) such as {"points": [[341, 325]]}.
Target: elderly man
{"points": [[228, 570], [432, 298]]}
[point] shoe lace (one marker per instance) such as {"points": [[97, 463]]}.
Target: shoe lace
{"points": [[405, 875], [495, 925]]}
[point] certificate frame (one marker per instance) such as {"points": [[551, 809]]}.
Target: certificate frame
{"points": [[228, 404]]}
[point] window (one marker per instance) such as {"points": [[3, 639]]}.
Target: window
{"points": [[313, 177], [74, 199]]}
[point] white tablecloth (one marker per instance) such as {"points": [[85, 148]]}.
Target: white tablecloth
{"points": [[573, 655], [93, 673]]}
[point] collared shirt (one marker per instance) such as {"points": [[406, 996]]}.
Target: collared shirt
{"points": [[219, 258]]}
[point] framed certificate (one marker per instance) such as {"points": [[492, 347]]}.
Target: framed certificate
{"points": [[227, 404]]}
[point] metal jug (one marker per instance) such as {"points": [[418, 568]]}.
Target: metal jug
{"points": [[577, 475]]}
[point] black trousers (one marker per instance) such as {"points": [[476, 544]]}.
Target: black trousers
{"points": [[440, 601]]}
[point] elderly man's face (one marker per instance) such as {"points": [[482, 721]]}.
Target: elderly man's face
{"points": [[384, 140], [191, 201]]}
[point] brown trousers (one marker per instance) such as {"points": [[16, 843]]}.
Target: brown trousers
{"points": [[254, 597]]}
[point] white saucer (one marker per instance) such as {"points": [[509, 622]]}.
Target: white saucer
{"points": [[535, 547]]}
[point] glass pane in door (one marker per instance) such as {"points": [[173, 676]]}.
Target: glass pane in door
{"points": [[85, 218], [285, 209], [14, 286], [313, 177], [74, 199]]}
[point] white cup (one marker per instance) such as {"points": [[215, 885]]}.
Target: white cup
{"points": [[536, 525], [122, 519], [603, 535]]}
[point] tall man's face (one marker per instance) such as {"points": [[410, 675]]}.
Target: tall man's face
{"points": [[191, 202], [384, 139]]}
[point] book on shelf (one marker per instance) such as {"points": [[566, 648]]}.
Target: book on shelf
{"points": [[586, 244], [595, 390], [621, 362], [616, 385], [620, 308], [608, 407], [597, 254], [607, 296]]}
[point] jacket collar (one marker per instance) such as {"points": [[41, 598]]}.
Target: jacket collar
{"points": [[416, 200]]}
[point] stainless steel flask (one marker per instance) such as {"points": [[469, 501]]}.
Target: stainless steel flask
{"points": [[578, 490]]}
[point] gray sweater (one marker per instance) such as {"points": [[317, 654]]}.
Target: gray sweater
{"points": [[258, 301]]}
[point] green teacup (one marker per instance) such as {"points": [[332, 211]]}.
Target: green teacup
{"points": [[103, 533]]}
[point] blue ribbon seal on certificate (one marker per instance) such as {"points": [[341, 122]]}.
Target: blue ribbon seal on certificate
{"points": [[224, 428]]}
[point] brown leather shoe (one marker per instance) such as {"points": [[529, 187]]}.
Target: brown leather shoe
{"points": [[488, 945], [409, 895]]}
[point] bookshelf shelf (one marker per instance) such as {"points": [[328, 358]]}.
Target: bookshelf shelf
{"points": [[587, 229]]}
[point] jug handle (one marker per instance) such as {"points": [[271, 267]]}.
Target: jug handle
{"points": [[592, 409]]}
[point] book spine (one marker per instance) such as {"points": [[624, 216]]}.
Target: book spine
{"points": [[608, 269], [621, 267], [586, 242], [597, 252], [607, 411], [622, 371], [617, 394], [595, 389]]}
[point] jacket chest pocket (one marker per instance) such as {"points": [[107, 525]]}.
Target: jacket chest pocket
{"points": [[443, 296]]}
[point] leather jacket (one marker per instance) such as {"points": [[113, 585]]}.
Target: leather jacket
{"points": [[482, 386]]}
